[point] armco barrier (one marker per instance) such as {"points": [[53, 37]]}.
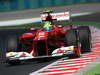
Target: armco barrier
{"points": [[10, 5]]}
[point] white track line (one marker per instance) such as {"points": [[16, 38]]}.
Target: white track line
{"points": [[68, 65], [33, 20], [89, 60]]}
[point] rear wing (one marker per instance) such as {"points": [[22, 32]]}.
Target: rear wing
{"points": [[62, 16]]}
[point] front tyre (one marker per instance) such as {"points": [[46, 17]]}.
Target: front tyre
{"points": [[13, 62], [85, 38], [72, 39]]}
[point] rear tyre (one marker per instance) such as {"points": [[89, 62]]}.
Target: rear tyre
{"points": [[71, 38], [85, 38]]}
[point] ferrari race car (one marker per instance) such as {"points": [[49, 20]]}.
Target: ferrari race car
{"points": [[69, 41]]}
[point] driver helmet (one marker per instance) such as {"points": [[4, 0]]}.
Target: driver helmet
{"points": [[47, 25]]}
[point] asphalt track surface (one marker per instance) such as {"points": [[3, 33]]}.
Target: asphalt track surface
{"points": [[25, 69]]}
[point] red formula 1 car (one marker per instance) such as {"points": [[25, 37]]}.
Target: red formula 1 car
{"points": [[69, 41]]}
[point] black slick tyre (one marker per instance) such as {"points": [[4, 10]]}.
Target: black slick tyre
{"points": [[13, 62], [85, 38], [71, 38]]}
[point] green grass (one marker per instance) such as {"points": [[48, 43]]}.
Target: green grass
{"points": [[94, 71], [97, 24]]}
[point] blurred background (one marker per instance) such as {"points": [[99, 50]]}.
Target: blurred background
{"points": [[11, 5]]}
